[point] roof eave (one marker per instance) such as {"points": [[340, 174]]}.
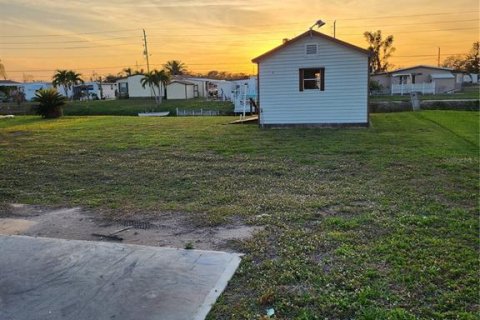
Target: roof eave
{"points": [[310, 33]]}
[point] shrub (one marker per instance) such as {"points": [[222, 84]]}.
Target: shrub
{"points": [[50, 103], [375, 87]]}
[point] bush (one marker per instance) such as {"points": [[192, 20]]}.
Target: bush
{"points": [[50, 103], [375, 86]]}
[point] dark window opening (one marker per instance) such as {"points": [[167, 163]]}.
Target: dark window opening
{"points": [[312, 79]]}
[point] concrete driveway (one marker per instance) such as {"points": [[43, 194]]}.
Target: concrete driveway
{"points": [[43, 278]]}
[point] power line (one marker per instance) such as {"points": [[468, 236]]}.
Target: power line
{"points": [[429, 55], [412, 15], [416, 31], [66, 34], [405, 24], [124, 66], [295, 23], [72, 41], [61, 48]]}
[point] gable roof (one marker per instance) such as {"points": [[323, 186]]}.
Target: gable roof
{"points": [[187, 83], [5, 82], [309, 33], [415, 67]]}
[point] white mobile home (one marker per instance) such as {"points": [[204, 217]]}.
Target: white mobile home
{"points": [[206, 87], [30, 89], [313, 80], [131, 87], [109, 91], [421, 78]]}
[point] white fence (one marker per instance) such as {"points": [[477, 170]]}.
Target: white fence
{"points": [[424, 88], [197, 113]]}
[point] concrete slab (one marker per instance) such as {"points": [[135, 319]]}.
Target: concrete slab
{"points": [[42, 278]]}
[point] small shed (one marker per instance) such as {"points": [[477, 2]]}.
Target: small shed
{"points": [[180, 89], [313, 80]]}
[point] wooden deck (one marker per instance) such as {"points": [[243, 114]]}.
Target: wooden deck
{"points": [[246, 120]]}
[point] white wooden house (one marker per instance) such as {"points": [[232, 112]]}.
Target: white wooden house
{"points": [[421, 78], [313, 80]]}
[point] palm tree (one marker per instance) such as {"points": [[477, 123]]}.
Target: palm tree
{"points": [[60, 78], [154, 79], [73, 79], [164, 79], [127, 71], [175, 67], [67, 79], [50, 103], [380, 50]]}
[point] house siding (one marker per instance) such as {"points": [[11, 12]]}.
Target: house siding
{"points": [[423, 75], [176, 90], [344, 99]]}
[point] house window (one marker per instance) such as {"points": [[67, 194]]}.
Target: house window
{"points": [[312, 79]]}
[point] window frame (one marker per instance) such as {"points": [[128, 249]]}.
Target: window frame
{"points": [[302, 79]]}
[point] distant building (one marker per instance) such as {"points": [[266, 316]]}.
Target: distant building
{"points": [[131, 87], [109, 90], [421, 78], [181, 89]]}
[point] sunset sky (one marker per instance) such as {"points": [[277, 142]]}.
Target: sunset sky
{"points": [[102, 37]]}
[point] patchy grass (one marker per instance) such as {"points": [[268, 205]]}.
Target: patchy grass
{"points": [[378, 223]]}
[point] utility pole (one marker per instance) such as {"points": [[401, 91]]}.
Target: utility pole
{"points": [[145, 52], [438, 59], [152, 90], [335, 28]]}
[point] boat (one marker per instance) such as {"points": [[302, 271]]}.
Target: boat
{"points": [[154, 114]]}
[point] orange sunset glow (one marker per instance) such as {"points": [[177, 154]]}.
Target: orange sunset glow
{"points": [[103, 37]]}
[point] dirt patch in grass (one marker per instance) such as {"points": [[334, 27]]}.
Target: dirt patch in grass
{"points": [[169, 230]]}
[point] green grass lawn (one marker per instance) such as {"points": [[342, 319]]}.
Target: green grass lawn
{"points": [[378, 223], [125, 107], [131, 107], [467, 93]]}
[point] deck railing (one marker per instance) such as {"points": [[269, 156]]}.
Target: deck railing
{"points": [[424, 88]]}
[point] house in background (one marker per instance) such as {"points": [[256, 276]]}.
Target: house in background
{"points": [[181, 89], [209, 88], [87, 91], [108, 90], [242, 91], [131, 87], [313, 80], [30, 89], [421, 78]]}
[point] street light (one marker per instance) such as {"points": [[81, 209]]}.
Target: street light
{"points": [[319, 24]]}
